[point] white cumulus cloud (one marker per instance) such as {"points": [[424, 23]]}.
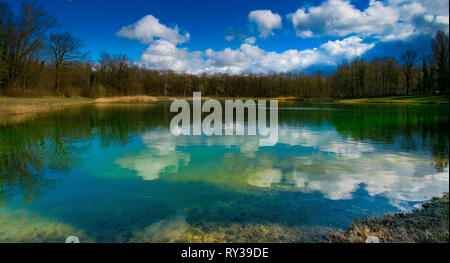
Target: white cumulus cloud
{"points": [[266, 21], [249, 58], [385, 20], [163, 53], [148, 28], [348, 48]]}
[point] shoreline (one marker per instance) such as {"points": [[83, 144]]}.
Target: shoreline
{"points": [[10, 106], [428, 223], [13, 106], [439, 99]]}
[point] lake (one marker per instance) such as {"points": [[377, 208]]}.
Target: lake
{"points": [[114, 173]]}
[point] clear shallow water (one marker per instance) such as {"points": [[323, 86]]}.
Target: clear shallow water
{"points": [[114, 173]]}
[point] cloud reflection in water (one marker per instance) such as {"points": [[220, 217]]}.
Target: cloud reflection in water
{"points": [[318, 160]]}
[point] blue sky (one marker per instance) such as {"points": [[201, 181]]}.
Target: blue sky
{"points": [[249, 36]]}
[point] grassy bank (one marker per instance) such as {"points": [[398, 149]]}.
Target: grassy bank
{"points": [[430, 223], [443, 99], [15, 106]]}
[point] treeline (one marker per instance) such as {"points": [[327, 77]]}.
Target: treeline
{"points": [[36, 60]]}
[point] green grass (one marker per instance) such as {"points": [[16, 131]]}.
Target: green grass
{"points": [[442, 99]]}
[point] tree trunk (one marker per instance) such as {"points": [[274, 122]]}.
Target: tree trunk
{"points": [[407, 86], [57, 80]]}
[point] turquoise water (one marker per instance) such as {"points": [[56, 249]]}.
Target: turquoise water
{"points": [[114, 173]]}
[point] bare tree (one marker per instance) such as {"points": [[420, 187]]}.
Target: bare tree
{"points": [[63, 47], [5, 19], [408, 59], [25, 40], [441, 59], [115, 71]]}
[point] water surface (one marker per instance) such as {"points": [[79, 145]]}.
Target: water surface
{"points": [[114, 173]]}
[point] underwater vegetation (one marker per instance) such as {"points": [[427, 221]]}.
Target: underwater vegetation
{"points": [[113, 173], [26, 227], [178, 230]]}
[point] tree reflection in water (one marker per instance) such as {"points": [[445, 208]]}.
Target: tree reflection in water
{"points": [[53, 141]]}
